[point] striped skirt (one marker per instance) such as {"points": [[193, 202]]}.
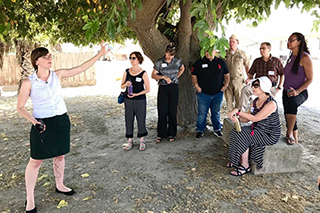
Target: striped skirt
{"points": [[241, 141]]}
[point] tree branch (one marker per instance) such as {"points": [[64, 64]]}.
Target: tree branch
{"points": [[145, 28]]}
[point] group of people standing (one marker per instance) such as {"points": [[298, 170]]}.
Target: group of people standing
{"points": [[214, 78], [211, 76]]}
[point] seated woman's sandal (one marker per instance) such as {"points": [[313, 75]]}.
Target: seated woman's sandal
{"points": [[241, 168]]}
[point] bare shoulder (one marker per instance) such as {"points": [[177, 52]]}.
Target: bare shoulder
{"points": [[306, 60], [26, 82], [59, 72]]}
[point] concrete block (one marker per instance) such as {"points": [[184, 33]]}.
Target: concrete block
{"points": [[278, 158], [228, 125]]}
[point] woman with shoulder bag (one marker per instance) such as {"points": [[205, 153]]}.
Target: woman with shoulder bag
{"points": [[137, 83]]}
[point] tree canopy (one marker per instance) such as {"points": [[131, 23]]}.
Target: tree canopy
{"points": [[195, 26], [87, 22]]}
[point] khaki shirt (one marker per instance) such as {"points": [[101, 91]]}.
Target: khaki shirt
{"points": [[236, 62]]}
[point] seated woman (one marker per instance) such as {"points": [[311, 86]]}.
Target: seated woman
{"points": [[249, 144]]}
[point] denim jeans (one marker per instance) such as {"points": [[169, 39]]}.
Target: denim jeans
{"points": [[205, 102]]}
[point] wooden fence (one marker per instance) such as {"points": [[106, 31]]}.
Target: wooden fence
{"points": [[11, 71]]}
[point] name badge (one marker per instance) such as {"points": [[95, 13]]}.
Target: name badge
{"points": [[204, 65], [138, 79], [270, 72], [164, 65]]}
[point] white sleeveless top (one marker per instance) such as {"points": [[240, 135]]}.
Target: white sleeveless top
{"points": [[47, 97]]}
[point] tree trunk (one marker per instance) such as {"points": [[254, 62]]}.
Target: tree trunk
{"points": [[153, 43], [23, 55], [187, 107]]}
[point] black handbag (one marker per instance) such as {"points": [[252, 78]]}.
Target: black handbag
{"points": [[122, 94], [121, 97]]}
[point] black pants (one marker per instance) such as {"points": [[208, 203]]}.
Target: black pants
{"points": [[168, 96], [135, 108], [291, 104]]}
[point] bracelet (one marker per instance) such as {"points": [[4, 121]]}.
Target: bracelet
{"points": [[238, 113]]}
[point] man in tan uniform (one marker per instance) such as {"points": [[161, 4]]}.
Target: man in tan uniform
{"points": [[236, 59]]}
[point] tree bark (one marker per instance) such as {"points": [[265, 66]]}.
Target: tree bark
{"points": [[152, 41], [187, 107]]}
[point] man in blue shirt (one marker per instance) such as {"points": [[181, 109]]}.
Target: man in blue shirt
{"points": [[210, 77]]}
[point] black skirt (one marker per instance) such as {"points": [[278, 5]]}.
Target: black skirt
{"points": [[54, 141]]}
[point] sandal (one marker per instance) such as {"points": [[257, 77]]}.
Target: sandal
{"points": [[241, 168], [158, 140], [171, 138], [128, 146], [290, 140], [229, 165], [142, 146]]}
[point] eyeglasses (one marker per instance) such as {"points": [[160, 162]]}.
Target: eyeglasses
{"points": [[47, 56], [263, 48], [292, 40], [255, 85], [132, 58]]}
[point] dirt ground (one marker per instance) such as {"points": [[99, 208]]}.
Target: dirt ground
{"points": [[183, 176]]}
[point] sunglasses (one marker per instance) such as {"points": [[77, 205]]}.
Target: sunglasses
{"points": [[255, 85], [291, 40], [132, 58], [263, 48]]}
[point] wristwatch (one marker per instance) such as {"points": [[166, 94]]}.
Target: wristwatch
{"points": [[279, 88]]}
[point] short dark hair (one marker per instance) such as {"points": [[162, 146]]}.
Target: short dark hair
{"points": [[38, 53], [138, 55], [171, 48], [267, 44]]}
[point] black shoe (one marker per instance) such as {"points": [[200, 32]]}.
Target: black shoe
{"points": [[218, 133], [34, 210], [199, 136], [66, 193]]}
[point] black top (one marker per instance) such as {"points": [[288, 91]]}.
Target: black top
{"points": [[210, 74], [137, 83]]}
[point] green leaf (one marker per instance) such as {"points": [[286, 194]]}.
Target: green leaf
{"points": [[139, 4], [111, 28], [287, 3], [254, 24], [87, 26], [201, 24], [2, 28], [198, 10]]}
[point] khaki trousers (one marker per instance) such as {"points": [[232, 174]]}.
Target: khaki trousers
{"points": [[233, 93]]}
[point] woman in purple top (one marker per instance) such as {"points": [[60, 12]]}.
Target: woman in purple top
{"points": [[298, 74]]}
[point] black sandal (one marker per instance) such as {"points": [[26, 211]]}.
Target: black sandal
{"points": [[241, 168], [158, 140], [171, 138]]}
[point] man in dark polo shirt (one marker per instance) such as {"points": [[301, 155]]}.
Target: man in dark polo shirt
{"points": [[210, 77], [266, 65]]}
